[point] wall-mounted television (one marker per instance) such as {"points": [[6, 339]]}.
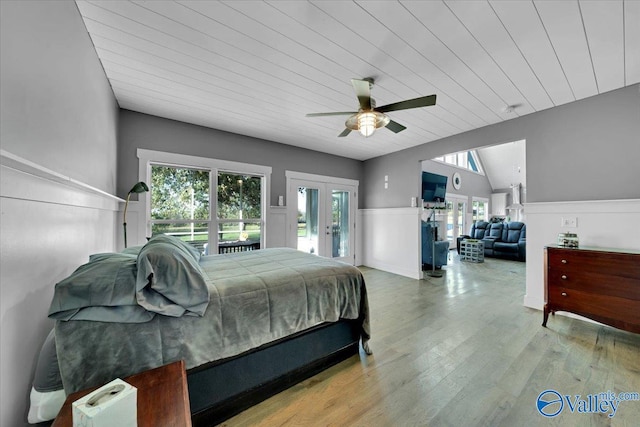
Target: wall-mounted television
{"points": [[434, 187]]}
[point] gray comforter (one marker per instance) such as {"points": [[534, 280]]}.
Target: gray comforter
{"points": [[255, 298]]}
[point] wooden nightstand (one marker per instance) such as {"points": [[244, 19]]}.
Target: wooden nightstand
{"points": [[163, 398]]}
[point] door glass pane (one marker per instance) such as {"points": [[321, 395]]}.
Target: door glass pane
{"points": [[450, 220], [461, 211], [340, 223], [308, 216]]}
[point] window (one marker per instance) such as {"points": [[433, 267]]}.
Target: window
{"points": [[207, 202], [239, 208], [480, 209], [464, 159], [180, 203]]}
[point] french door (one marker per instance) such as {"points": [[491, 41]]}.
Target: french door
{"points": [[322, 218], [456, 213]]}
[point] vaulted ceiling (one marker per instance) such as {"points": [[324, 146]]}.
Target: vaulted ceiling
{"points": [[256, 68]]}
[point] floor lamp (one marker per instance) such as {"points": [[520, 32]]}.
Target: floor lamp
{"points": [[140, 187], [434, 228]]}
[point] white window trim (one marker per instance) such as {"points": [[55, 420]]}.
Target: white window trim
{"points": [[479, 199], [148, 157], [320, 178]]}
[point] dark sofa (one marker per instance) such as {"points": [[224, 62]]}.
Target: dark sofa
{"points": [[501, 239]]}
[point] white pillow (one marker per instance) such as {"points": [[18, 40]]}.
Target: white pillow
{"points": [[45, 405]]}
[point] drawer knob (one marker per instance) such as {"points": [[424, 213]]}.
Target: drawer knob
{"points": [[564, 261], [564, 294], [564, 277]]}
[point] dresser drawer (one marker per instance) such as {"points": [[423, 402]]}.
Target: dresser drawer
{"points": [[611, 263], [596, 306], [595, 283]]}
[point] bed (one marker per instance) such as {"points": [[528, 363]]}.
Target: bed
{"points": [[247, 324]]}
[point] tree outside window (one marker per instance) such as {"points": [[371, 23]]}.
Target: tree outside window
{"points": [[239, 207], [180, 206], [180, 203]]}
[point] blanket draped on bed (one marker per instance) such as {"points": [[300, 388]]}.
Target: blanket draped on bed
{"points": [[255, 298]]}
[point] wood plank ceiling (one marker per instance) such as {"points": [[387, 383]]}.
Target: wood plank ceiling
{"points": [[256, 68]]}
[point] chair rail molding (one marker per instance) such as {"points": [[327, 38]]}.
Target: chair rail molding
{"points": [[19, 174]]}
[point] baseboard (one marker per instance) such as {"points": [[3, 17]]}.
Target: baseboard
{"points": [[395, 269]]}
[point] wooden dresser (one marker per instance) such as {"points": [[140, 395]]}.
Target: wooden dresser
{"points": [[601, 284]]}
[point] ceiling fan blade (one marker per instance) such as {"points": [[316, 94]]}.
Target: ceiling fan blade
{"points": [[395, 126], [363, 92], [424, 101], [345, 132], [337, 113]]}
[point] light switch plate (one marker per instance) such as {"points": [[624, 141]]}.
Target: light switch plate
{"points": [[570, 221]]}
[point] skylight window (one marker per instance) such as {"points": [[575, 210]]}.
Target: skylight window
{"points": [[464, 159]]}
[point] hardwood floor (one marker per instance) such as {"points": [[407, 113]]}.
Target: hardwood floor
{"points": [[462, 350]]}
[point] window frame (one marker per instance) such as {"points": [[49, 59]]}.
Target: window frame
{"points": [[147, 158]]}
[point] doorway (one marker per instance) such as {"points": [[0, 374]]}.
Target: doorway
{"points": [[322, 217]]}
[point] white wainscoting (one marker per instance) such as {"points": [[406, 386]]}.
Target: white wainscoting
{"points": [[390, 240], [276, 228], [602, 223], [50, 225]]}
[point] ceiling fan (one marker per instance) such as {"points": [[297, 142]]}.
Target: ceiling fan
{"points": [[369, 117]]}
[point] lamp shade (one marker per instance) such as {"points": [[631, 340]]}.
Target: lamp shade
{"points": [[140, 187], [367, 123]]}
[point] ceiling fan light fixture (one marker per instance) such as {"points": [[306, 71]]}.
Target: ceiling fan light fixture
{"points": [[370, 117], [367, 123]]}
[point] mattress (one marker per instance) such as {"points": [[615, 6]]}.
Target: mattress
{"points": [[256, 297]]}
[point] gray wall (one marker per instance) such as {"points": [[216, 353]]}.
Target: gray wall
{"points": [[57, 107], [586, 150], [139, 130], [58, 111]]}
